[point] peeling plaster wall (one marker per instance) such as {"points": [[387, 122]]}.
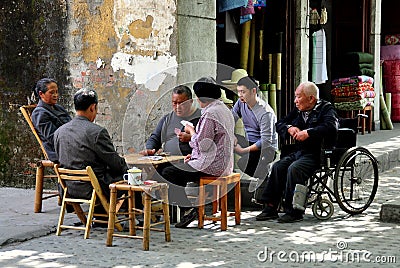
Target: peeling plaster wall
{"points": [[124, 49], [127, 50]]}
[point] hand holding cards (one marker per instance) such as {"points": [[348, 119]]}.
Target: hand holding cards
{"points": [[184, 123]]}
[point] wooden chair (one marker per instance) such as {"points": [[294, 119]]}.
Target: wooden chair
{"points": [[220, 198], [41, 165], [148, 204], [97, 198]]}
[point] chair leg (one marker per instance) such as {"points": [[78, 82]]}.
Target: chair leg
{"points": [[224, 206], [111, 216], [202, 190], [215, 198], [90, 215], [237, 203], [146, 223], [61, 217], [39, 189]]}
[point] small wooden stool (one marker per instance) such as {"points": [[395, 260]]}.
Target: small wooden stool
{"points": [[220, 196], [147, 190]]}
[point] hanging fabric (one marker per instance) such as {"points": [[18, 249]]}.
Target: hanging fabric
{"points": [[231, 28], [314, 17], [319, 70], [324, 16], [224, 5]]}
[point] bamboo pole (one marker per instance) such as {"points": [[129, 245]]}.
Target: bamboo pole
{"points": [[269, 69], [272, 96], [384, 113], [244, 49], [252, 51]]}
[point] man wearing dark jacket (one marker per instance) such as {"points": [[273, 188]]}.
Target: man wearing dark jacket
{"points": [[313, 124], [80, 143]]}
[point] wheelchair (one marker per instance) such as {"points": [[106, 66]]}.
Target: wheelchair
{"points": [[348, 175]]}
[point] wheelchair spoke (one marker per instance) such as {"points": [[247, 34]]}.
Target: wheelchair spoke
{"points": [[356, 180]]}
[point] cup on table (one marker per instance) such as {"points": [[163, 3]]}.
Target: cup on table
{"points": [[134, 176]]}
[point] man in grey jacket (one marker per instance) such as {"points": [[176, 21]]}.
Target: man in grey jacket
{"points": [[81, 143], [258, 148]]}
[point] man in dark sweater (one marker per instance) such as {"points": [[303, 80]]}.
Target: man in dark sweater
{"points": [[169, 135]]}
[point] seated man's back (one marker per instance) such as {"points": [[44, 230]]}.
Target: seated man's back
{"points": [[81, 143]]}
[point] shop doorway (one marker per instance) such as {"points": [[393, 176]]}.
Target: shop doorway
{"points": [[264, 46]]}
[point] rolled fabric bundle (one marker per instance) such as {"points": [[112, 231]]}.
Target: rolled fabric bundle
{"points": [[264, 92], [272, 96], [278, 71], [384, 113], [261, 45], [269, 68], [244, 49]]}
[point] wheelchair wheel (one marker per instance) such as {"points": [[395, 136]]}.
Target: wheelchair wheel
{"points": [[322, 209], [356, 180]]}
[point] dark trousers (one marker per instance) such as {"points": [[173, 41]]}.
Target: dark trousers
{"points": [[256, 163], [285, 174], [178, 175]]}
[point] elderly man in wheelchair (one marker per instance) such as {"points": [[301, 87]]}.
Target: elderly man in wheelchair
{"points": [[313, 125]]}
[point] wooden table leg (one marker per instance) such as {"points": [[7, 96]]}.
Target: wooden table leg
{"points": [[146, 223], [132, 212], [164, 197]]}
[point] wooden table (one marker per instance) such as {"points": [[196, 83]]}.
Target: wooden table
{"points": [[148, 165], [147, 191]]}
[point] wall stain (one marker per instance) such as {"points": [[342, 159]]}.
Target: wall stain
{"points": [[99, 38], [141, 29]]}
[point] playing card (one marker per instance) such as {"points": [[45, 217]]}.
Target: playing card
{"points": [[184, 123]]}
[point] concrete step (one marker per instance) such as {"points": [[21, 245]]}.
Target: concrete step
{"points": [[390, 212]]}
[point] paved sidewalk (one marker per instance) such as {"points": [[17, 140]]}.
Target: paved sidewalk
{"points": [[252, 244]]}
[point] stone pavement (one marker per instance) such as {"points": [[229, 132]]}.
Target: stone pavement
{"points": [[358, 241]]}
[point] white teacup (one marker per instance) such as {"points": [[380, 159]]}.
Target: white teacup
{"points": [[134, 176]]}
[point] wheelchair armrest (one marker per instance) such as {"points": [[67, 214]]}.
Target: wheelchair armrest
{"points": [[346, 138], [362, 116], [326, 156]]}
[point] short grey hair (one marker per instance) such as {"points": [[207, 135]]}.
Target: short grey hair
{"points": [[310, 89]]}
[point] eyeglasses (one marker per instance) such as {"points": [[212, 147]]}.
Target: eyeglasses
{"points": [[176, 103]]}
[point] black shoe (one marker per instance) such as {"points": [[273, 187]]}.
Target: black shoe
{"points": [[189, 216], [287, 218], [99, 224], [69, 208], [268, 213]]}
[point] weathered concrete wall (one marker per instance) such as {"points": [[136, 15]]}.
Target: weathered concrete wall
{"points": [[127, 50], [32, 35], [116, 47]]}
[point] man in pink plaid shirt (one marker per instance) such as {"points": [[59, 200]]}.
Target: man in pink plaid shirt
{"points": [[212, 147]]}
